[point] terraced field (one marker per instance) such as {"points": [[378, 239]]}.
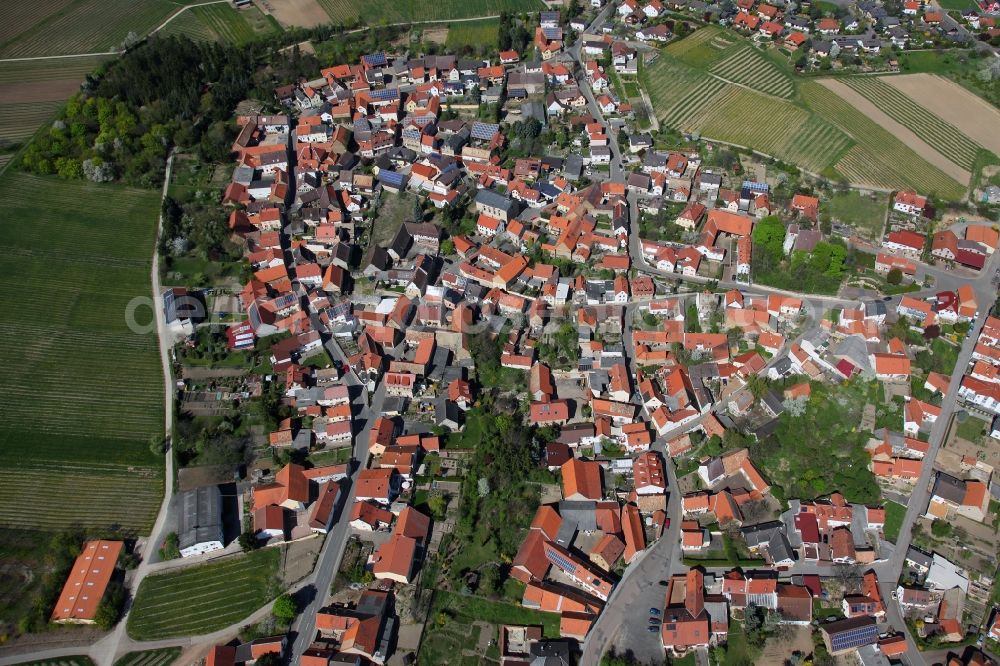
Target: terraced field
{"points": [[679, 93], [749, 67], [80, 26], [82, 392], [204, 598], [221, 23], [765, 123], [760, 106], [816, 145], [886, 158], [20, 120], [163, 657], [940, 135], [406, 11]]}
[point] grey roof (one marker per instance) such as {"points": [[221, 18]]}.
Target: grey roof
{"points": [[573, 167], [494, 199], [581, 513], [779, 549], [949, 488], [200, 518], [762, 534], [875, 309]]}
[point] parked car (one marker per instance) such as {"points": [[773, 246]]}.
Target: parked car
{"points": [[655, 612], [653, 628]]}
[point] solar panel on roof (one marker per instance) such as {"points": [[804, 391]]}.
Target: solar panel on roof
{"points": [[484, 131], [384, 94], [552, 33], [375, 59], [391, 178]]}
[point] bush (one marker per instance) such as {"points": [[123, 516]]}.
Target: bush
{"points": [[285, 609], [170, 549], [895, 276], [110, 608]]}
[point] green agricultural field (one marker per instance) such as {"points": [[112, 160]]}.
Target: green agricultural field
{"points": [[82, 393], [204, 598], [63, 27], [163, 657], [940, 135], [407, 11], [715, 84], [222, 23], [472, 34]]}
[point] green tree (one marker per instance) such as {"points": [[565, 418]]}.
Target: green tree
{"points": [[438, 505], [285, 609], [447, 247], [895, 276], [110, 608]]}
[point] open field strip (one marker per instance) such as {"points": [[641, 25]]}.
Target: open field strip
{"points": [[898, 147], [940, 135], [472, 33], [704, 47], [404, 11], [82, 392], [203, 598], [87, 26], [188, 23], [699, 37], [20, 16], [748, 67], [226, 22], [815, 146], [28, 71], [19, 121], [163, 657], [970, 114], [859, 166]]}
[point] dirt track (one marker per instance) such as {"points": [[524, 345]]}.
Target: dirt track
{"points": [[902, 133], [974, 116]]}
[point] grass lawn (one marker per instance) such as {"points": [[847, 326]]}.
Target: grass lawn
{"points": [[392, 11], [472, 34], [957, 5], [737, 650], [894, 514], [971, 429], [204, 598], [163, 657], [864, 213]]}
